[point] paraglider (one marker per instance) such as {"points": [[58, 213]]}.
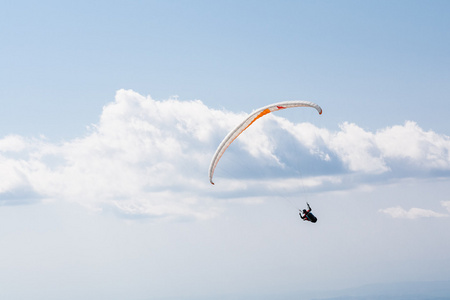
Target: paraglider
{"points": [[307, 215], [233, 134]]}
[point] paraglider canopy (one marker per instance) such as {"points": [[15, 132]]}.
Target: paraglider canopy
{"points": [[233, 134]]}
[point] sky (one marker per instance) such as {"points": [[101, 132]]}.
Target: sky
{"points": [[112, 111]]}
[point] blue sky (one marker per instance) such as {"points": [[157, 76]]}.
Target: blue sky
{"points": [[386, 56], [111, 111]]}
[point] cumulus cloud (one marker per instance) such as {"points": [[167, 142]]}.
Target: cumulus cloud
{"points": [[150, 158], [412, 213], [425, 149], [446, 204]]}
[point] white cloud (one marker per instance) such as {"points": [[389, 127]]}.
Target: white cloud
{"points": [[148, 157], [423, 148], [412, 213], [446, 204], [378, 152], [12, 143], [357, 149]]}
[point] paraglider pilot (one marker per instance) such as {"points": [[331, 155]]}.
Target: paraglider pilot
{"points": [[307, 215]]}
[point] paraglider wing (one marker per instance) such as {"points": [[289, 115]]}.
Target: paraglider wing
{"points": [[233, 134]]}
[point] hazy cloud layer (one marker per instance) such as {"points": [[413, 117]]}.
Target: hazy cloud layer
{"points": [[150, 158]]}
